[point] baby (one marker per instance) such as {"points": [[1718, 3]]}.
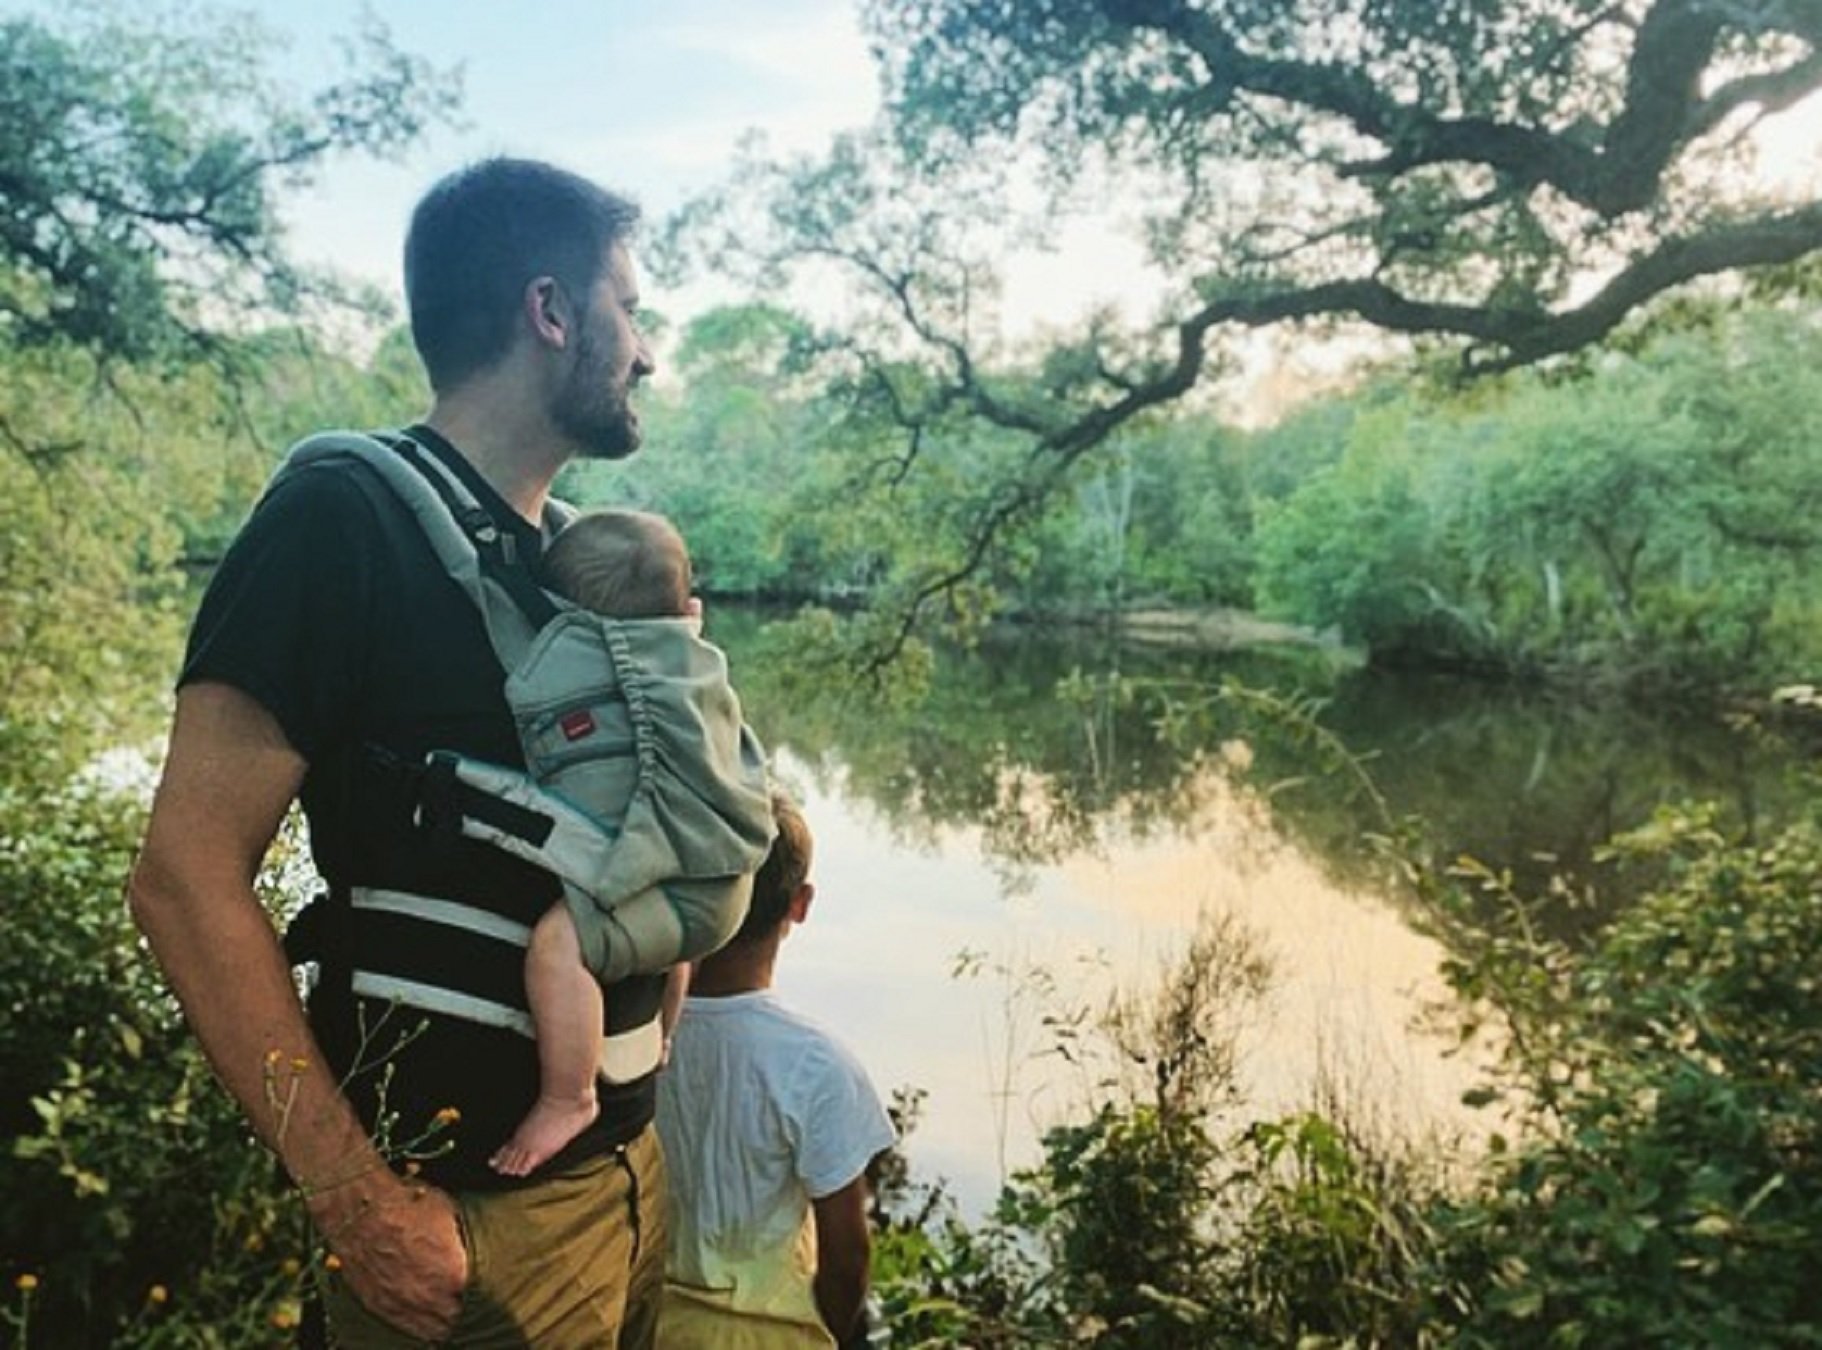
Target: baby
{"points": [[632, 568]]}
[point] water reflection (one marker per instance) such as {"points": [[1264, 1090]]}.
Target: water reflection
{"points": [[1043, 820], [877, 962]]}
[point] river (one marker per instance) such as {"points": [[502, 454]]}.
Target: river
{"points": [[1051, 819]]}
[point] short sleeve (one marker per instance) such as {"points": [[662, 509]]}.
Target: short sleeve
{"points": [[837, 1119], [287, 617]]}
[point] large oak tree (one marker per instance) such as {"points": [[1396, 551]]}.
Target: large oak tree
{"points": [[1510, 178]]}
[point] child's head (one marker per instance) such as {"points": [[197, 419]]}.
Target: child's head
{"points": [[784, 875], [624, 564]]}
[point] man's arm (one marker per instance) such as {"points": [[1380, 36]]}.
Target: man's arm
{"points": [[229, 778], [844, 1257]]}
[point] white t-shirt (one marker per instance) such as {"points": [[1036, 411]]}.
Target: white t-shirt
{"points": [[761, 1111]]}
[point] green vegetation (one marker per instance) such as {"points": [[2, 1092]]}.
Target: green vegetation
{"points": [[1641, 516], [1646, 523], [1501, 183], [144, 383], [1657, 1181], [1650, 520]]}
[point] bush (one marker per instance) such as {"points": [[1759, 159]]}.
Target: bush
{"points": [[1670, 1191], [134, 1199]]}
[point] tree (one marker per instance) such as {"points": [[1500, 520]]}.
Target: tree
{"points": [[138, 245], [137, 234], [138, 160], [1511, 179]]}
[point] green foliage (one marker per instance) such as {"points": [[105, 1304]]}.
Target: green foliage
{"points": [[141, 154], [100, 470], [1650, 520], [1130, 1258], [1333, 1245], [1646, 521], [1671, 1192], [133, 1192]]}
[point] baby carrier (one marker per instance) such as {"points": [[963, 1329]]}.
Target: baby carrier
{"points": [[640, 777]]}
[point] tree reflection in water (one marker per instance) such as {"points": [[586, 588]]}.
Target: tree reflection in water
{"points": [[1059, 810]]}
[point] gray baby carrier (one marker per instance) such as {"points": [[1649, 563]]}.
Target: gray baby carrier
{"points": [[644, 793]]}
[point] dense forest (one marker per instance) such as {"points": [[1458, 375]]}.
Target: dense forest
{"points": [[1645, 523], [1612, 490]]}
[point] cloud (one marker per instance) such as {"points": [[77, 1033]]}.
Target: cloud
{"points": [[822, 51]]}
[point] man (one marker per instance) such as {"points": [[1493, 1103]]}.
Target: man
{"points": [[331, 653]]}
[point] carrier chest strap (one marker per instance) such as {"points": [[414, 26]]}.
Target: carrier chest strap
{"points": [[471, 547], [458, 960]]}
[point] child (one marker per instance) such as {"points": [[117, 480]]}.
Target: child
{"points": [[633, 567], [768, 1124]]}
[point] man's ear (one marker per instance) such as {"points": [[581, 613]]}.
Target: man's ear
{"points": [[547, 312], [800, 903]]}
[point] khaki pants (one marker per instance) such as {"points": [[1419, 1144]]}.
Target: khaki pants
{"points": [[572, 1263]]}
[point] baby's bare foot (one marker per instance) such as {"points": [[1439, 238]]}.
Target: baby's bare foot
{"points": [[551, 1123]]}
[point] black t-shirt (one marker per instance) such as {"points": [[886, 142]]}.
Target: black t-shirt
{"points": [[332, 612]]}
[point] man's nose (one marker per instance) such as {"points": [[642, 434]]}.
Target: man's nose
{"points": [[643, 362]]}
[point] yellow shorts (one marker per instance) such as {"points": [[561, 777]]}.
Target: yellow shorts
{"points": [[574, 1262]]}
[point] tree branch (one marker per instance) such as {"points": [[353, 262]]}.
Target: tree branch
{"points": [[1612, 174]]}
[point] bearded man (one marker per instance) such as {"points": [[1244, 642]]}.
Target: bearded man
{"points": [[331, 653]]}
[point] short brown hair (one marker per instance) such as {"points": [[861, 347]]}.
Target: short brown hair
{"points": [[480, 235], [625, 564], [783, 873]]}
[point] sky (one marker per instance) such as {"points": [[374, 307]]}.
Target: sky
{"points": [[648, 99], [651, 100]]}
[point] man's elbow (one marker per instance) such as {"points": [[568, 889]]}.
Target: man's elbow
{"points": [[155, 891]]}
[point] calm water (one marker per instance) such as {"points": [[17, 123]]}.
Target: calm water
{"points": [[1038, 834]]}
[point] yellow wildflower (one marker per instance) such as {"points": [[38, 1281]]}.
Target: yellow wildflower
{"points": [[289, 1265], [447, 1116], [332, 1262], [26, 1283], [157, 1294]]}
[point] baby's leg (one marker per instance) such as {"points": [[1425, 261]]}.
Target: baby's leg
{"points": [[566, 1010]]}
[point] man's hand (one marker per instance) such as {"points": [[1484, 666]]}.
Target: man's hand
{"points": [[400, 1251]]}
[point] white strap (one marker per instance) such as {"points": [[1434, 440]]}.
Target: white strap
{"points": [[449, 913], [624, 1056]]}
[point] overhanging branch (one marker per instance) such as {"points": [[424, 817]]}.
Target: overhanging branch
{"points": [[1612, 170]]}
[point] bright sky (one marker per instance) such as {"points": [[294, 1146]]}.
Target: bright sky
{"points": [[648, 99], [653, 98]]}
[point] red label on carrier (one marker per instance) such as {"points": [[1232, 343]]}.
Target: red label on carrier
{"points": [[577, 725]]}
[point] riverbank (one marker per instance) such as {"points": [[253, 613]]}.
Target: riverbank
{"points": [[1208, 630]]}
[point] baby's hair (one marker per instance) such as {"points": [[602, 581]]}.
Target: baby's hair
{"points": [[624, 564]]}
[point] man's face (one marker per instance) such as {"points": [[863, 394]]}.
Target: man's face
{"points": [[593, 405]]}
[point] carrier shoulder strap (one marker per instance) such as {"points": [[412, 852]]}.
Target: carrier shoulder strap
{"points": [[476, 553]]}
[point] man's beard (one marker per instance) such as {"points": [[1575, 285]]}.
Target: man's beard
{"points": [[591, 410]]}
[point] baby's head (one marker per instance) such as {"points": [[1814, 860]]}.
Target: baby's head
{"points": [[624, 564]]}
